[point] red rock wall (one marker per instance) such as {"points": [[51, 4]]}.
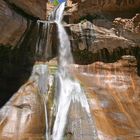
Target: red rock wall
{"points": [[37, 8], [85, 7], [12, 25]]}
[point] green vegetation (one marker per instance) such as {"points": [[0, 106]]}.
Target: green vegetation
{"points": [[52, 69], [55, 2]]}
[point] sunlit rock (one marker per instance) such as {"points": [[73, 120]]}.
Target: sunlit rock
{"points": [[113, 94], [99, 7], [92, 43], [129, 28], [112, 88], [23, 116]]}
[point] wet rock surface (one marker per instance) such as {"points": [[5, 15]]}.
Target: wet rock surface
{"points": [[80, 125], [16, 62], [97, 35], [16, 65], [23, 116], [113, 95]]}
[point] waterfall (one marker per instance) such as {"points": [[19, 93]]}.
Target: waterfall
{"points": [[45, 41], [68, 90]]}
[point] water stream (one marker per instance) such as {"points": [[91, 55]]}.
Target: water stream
{"points": [[68, 90]]}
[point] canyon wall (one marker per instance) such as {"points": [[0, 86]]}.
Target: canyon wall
{"points": [[36, 8], [103, 30], [99, 30], [15, 19], [111, 7]]}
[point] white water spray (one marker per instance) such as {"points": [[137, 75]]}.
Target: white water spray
{"points": [[67, 88]]}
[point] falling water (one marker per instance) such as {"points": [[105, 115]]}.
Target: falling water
{"points": [[40, 75], [44, 44], [67, 88]]}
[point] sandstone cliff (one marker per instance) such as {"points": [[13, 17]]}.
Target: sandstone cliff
{"points": [[99, 30], [15, 18], [111, 7], [103, 30]]}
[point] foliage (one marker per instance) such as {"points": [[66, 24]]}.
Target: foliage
{"points": [[55, 2]]}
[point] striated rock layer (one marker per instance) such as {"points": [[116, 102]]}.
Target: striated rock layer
{"points": [[104, 41], [110, 7], [113, 94], [15, 19], [113, 89], [36, 8], [12, 25], [99, 35], [23, 116]]}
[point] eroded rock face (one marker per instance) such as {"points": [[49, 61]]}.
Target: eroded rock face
{"points": [[14, 16], [102, 41], [102, 6], [12, 25], [16, 64], [93, 38], [129, 28], [113, 94], [35, 8], [105, 38], [23, 117]]}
